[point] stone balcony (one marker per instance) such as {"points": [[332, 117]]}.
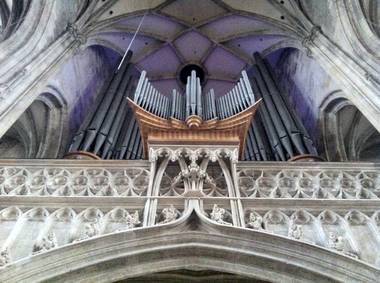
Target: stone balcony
{"points": [[48, 204]]}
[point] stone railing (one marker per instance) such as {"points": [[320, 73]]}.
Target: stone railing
{"points": [[61, 178], [322, 181], [47, 204]]}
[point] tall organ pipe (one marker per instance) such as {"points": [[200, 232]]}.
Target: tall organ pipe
{"points": [[307, 140], [287, 119], [79, 137], [213, 103], [85, 141], [268, 124], [104, 106], [117, 124], [259, 134], [274, 115], [112, 111]]}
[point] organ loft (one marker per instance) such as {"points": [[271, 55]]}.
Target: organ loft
{"points": [[189, 141]]}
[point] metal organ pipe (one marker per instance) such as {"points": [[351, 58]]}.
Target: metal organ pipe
{"points": [[248, 89], [306, 138], [192, 94], [140, 86], [174, 104], [104, 106], [199, 98], [289, 124], [258, 133], [116, 124], [275, 116], [268, 125], [282, 126], [79, 137], [111, 113], [213, 103]]}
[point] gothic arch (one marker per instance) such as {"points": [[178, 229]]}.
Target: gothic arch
{"points": [[346, 134], [11, 16], [360, 22], [56, 128], [39, 130]]}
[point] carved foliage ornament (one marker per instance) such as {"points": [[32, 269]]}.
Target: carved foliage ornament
{"points": [[193, 154]]}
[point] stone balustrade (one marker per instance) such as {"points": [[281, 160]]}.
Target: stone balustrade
{"points": [[48, 204]]}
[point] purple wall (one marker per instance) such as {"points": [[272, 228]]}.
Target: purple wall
{"points": [[306, 83], [81, 79]]}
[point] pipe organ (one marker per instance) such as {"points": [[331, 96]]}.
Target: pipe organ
{"points": [[129, 113], [193, 103]]}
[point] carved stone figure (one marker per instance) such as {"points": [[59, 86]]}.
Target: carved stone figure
{"points": [[4, 257], [336, 242], [170, 214], [295, 231], [90, 230], [255, 221], [47, 243], [132, 220], [219, 214]]}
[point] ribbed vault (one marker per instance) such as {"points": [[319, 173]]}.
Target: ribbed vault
{"points": [[208, 33]]}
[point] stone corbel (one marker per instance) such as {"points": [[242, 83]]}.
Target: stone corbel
{"points": [[309, 39], [79, 38]]}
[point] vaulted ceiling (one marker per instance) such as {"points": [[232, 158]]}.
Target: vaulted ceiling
{"points": [[207, 33]]}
